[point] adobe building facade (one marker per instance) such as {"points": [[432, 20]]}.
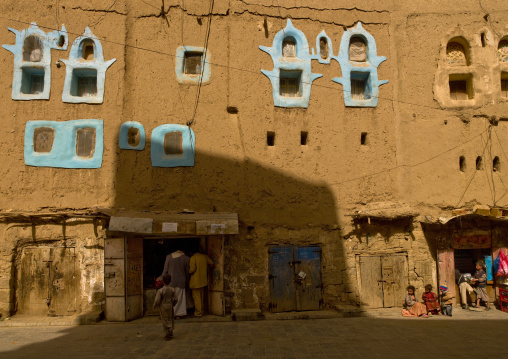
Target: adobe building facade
{"points": [[324, 154]]}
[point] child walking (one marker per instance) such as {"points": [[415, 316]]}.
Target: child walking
{"points": [[430, 300], [165, 299], [446, 300]]}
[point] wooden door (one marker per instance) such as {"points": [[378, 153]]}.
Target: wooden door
{"points": [[446, 271], [282, 279], [114, 279], [33, 281], [308, 266], [62, 282], [134, 284], [394, 273], [371, 281], [215, 250]]}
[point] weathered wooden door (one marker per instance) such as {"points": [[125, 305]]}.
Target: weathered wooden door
{"points": [[371, 281], [446, 270], [383, 280], [47, 281], [114, 279], [308, 278], [215, 251], [295, 278], [134, 285]]}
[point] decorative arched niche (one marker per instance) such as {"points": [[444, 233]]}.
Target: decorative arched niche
{"points": [[502, 50], [132, 136], [85, 74], [359, 62], [69, 144], [32, 61], [172, 146], [324, 50], [291, 77], [458, 52]]}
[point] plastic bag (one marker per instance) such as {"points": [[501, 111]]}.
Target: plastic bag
{"points": [[503, 264]]}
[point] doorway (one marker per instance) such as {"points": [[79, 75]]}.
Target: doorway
{"points": [[383, 279], [295, 278]]}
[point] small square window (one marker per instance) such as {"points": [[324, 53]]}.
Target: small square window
{"points": [[84, 83], [461, 87], [289, 85], [192, 63], [32, 81], [85, 142], [43, 139], [289, 48], [173, 143]]}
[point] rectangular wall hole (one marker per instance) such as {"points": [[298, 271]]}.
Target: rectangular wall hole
{"points": [[270, 138], [461, 87], [504, 84], [303, 138], [32, 80], [482, 37], [84, 83], [363, 139]]}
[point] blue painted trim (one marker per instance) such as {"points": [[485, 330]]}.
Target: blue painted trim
{"points": [[160, 158], [63, 152], [329, 55], [23, 68], [192, 79], [367, 69], [124, 130], [302, 62], [76, 64]]}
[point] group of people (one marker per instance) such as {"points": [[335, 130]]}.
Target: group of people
{"points": [[180, 276], [430, 301]]}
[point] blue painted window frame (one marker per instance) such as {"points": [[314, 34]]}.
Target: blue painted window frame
{"points": [[206, 71], [159, 156], [123, 137]]}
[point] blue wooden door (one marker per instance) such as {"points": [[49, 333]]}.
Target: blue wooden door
{"points": [[282, 286], [295, 278]]}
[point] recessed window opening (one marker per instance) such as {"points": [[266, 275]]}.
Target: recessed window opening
{"points": [[502, 51], [496, 164], [483, 40], [85, 142], [323, 48], [32, 49], [479, 163], [61, 41], [88, 49], [173, 143], [457, 52], [43, 139], [360, 86], [84, 83], [133, 136], [303, 138], [32, 80], [357, 49], [461, 87], [289, 85], [289, 47], [504, 84], [462, 163], [363, 138], [192, 63], [270, 138]]}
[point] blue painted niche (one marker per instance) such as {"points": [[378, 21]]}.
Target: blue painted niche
{"points": [[158, 152], [85, 70], [204, 70], [63, 152], [294, 69], [124, 136], [318, 56], [364, 72], [32, 61]]}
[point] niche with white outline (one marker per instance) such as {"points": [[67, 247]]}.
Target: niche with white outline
{"points": [[291, 77], [359, 63], [172, 146], [132, 136], [32, 61], [85, 70]]}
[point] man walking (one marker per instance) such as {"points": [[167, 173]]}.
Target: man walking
{"points": [[198, 269]]}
